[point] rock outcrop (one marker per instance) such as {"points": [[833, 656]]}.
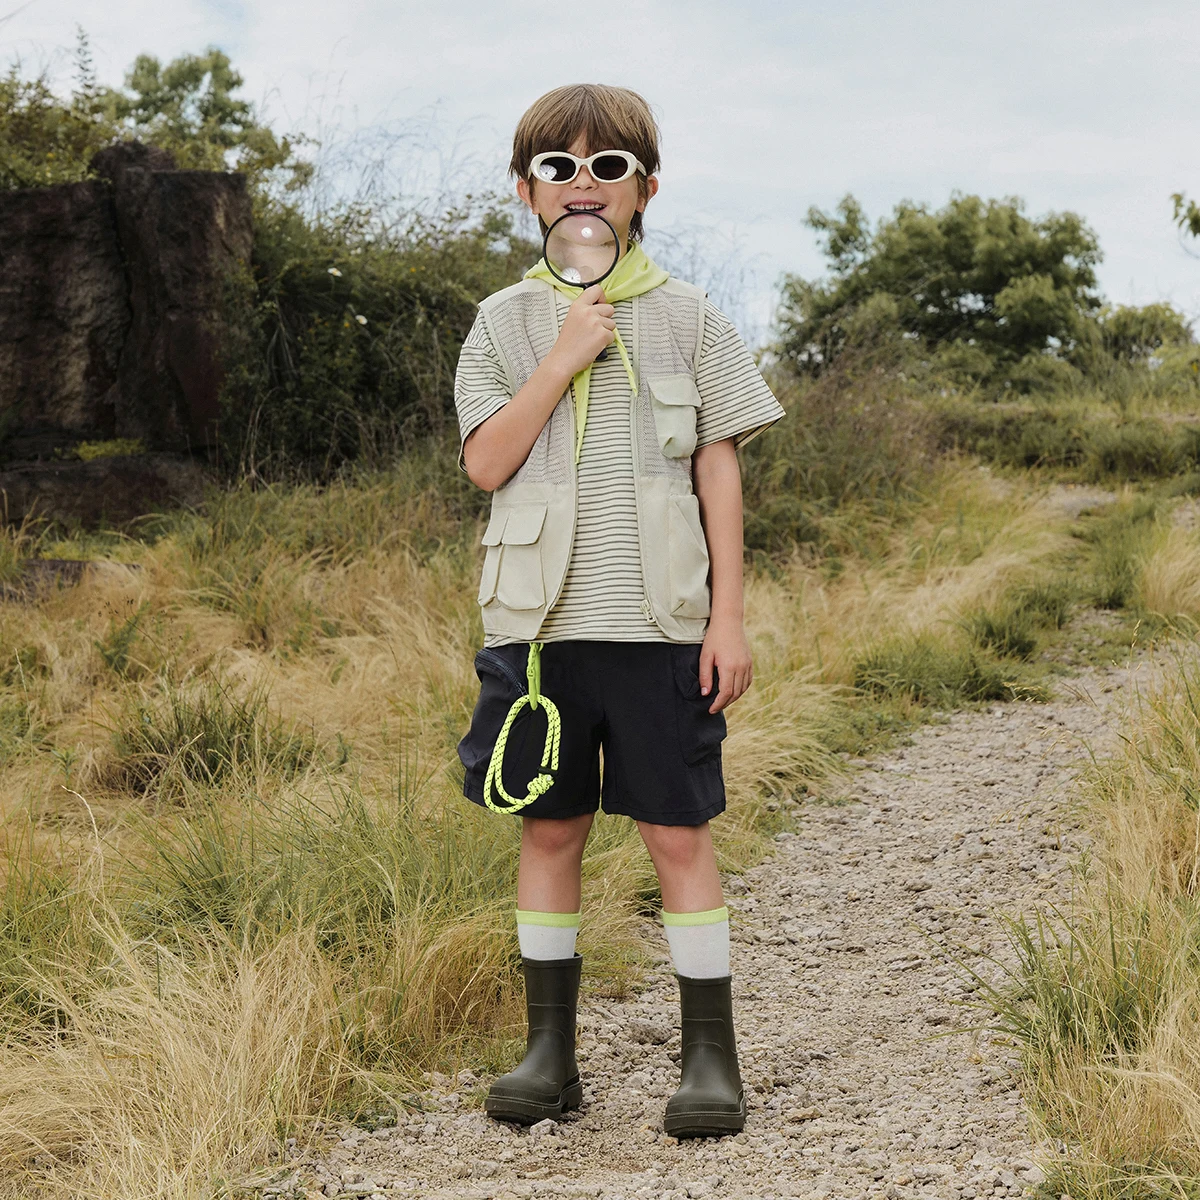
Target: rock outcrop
{"points": [[110, 327]]}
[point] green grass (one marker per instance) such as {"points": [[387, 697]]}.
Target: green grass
{"points": [[1118, 540], [1012, 627], [202, 734], [933, 669]]}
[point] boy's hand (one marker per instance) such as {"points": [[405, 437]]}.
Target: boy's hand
{"points": [[725, 647], [587, 329]]}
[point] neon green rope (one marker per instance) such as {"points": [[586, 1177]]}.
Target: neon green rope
{"points": [[542, 783]]}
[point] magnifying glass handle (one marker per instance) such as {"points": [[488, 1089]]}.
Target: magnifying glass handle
{"points": [[602, 355]]}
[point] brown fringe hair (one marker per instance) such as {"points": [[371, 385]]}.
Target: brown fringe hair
{"points": [[607, 118]]}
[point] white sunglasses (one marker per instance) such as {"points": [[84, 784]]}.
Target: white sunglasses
{"points": [[606, 166]]}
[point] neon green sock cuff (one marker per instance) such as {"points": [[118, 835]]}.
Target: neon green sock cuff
{"points": [[553, 920], [714, 916]]}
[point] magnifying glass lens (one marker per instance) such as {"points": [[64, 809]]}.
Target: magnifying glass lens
{"points": [[581, 248]]}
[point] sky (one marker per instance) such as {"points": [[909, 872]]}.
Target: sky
{"points": [[767, 107]]}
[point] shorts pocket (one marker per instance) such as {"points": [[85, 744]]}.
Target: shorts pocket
{"points": [[688, 558], [512, 566], [674, 401], [501, 671], [700, 732]]}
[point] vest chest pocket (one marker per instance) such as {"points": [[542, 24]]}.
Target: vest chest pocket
{"points": [[512, 566], [674, 401]]}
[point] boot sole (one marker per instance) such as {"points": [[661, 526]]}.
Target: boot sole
{"points": [[704, 1124], [523, 1111]]}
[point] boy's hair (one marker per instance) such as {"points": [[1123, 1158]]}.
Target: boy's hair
{"points": [[608, 118]]}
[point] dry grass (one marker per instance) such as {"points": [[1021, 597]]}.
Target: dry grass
{"points": [[1170, 583], [238, 886], [1107, 1001]]}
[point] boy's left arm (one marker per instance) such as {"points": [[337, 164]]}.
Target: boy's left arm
{"points": [[717, 482]]}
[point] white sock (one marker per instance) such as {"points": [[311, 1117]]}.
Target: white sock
{"points": [[699, 943], [547, 936]]}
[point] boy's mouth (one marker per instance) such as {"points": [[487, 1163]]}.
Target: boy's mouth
{"points": [[584, 206]]}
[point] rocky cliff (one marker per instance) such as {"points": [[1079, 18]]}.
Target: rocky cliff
{"points": [[110, 327]]}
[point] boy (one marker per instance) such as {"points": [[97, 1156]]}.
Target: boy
{"points": [[611, 591]]}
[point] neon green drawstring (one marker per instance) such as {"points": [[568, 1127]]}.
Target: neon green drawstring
{"points": [[540, 784]]}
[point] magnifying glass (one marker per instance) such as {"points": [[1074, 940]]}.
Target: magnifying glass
{"points": [[581, 249]]}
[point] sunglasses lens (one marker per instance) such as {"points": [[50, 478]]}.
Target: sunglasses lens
{"points": [[556, 168], [608, 168]]}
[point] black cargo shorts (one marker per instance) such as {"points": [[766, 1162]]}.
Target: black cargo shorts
{"points": [[638, 702]]}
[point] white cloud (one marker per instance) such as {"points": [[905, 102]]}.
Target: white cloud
{"points": [[767, 107]]}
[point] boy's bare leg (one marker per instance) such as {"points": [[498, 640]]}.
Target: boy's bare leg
{"points": [[686, 864], [551, 857]]}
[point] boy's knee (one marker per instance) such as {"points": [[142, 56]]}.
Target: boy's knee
{"points": [[551, 835], [679, 844]]}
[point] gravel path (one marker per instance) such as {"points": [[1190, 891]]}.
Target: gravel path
{"points": [[840, 994]]}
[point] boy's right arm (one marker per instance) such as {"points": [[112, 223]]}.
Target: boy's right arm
{"points": [[496, 449]]}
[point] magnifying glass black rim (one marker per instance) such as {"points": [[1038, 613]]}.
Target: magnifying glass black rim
{"points": [[573, 282]]}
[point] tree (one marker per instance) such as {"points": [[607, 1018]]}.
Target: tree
{"points": [[1135, 335], [977, 277], [1187, 214], [45, 140], [187, 107]]}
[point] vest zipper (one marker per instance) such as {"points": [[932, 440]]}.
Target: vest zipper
{"points": [[574, 480], [635, 447]]}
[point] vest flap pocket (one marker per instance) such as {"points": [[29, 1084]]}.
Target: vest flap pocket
{"points": [[512, 567], [524, 525], [674, 390], [674, 400], [493, 535]]}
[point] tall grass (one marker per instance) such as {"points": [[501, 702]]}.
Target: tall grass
{"points": [[1105, 999], [237, 869]]}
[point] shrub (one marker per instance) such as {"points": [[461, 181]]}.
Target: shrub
{"points": [[1133, 450], [855, 436], [347, 329]]}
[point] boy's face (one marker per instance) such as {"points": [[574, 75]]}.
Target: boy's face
{"points": [[616, 202]]}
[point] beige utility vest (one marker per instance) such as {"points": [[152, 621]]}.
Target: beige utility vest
{"points": [[532, 526]]}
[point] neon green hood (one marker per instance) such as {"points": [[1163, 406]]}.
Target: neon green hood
{"points": [[635, 274]]}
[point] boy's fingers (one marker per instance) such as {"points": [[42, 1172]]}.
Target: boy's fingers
{"points": [[724, 696], [706, 671], [606, 310], [741, 685], [592, 295]]}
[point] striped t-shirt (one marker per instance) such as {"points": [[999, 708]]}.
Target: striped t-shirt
{"points": [[602, 594]]}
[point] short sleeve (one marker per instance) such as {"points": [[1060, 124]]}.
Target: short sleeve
{"points": [[480, 386], [736, 401]]}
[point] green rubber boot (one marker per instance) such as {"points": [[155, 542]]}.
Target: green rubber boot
{"points": [[546, 1083], [711, 1100]]}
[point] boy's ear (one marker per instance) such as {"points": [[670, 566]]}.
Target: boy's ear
{"points": [[525, 192], [651, 192]]}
